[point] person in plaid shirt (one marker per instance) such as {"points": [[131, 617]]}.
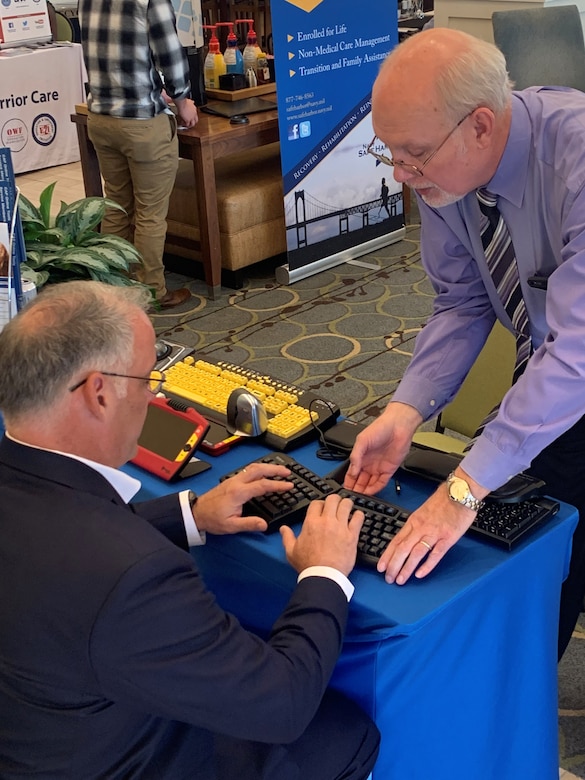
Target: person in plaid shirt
{"points": [[135, 66]]}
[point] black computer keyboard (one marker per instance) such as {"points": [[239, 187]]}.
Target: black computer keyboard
{"points": [[502, 524], [205, 384]]}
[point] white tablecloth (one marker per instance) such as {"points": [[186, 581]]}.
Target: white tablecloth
{"points": [[39, 89]]}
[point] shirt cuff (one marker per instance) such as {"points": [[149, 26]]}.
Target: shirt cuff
{"points": [[195, 538], [331, 574]]}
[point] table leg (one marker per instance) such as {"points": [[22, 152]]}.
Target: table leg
{"points": [[204, 171], [90, 168]]}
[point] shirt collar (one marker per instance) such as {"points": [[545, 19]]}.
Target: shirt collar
{"points": [[125, 485], [509, 180]]}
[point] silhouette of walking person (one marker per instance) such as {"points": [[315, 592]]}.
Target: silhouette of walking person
{"points": [[384, 196]]}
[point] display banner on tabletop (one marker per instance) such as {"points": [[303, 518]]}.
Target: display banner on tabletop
{"points": [[22, 22], [339, 201], [38, 93], [13, 292]]}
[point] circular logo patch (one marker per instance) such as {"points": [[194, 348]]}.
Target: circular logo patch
{"points": [[44, 129], [14, 135]]}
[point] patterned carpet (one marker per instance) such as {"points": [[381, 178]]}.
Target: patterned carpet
{"points": [[572, 704], [346, 334]]}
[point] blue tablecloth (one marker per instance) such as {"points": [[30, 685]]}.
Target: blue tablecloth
{"points": [[459, 670]]}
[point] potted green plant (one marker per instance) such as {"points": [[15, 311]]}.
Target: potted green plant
{"points": [[68, 246]]}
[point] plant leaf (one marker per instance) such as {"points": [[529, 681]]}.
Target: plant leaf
{"points": [[82, 257], [83, 215], [31, 231], [28, 212], [38, 278], [45, 204], [86, 216], [115, 243], [67, 208], [110, 255], [52, 237], [38, 259], [34, 259], [117, 279]]}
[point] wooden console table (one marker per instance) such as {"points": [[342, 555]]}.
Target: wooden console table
{"points": [[213, 137]]}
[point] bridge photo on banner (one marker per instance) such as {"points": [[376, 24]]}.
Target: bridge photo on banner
{"points": [[339, 201]]}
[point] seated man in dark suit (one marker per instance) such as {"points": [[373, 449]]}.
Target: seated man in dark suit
{"points": [[115, 661]]}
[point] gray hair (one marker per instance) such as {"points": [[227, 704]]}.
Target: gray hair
{"points": [[67, 328], [476, 76]]}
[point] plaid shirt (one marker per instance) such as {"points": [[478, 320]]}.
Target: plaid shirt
{"points": [[125, 45]]}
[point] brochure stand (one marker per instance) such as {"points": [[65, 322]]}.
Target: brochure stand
{"points": [[24, 22], [12, 250]]}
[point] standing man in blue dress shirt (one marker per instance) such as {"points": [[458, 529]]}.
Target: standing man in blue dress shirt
{"points": [[447, 112], [127, 45]]}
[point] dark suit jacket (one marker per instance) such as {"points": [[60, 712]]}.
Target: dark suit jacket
{"points": [[115, 661]]}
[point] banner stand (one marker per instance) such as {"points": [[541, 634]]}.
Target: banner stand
{"points": [[284, 275], [339, 201]]}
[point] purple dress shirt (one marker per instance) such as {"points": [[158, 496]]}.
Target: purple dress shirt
{"points": [[540, 187]]}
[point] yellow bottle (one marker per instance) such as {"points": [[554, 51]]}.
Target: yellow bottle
{"points": [[214, 65]]}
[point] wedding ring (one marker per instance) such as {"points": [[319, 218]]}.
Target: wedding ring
{"points": [[426, 544]]}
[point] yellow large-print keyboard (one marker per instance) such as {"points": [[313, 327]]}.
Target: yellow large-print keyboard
{"points": [[292, 412]]}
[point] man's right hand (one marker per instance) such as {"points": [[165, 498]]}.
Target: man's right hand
{"points": [[328, 537], [381, 448]]}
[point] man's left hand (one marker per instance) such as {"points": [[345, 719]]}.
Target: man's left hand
{"points": [[187, 115], [425, 537], [219, 511]]}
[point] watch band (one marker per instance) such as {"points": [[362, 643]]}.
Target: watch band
{"points": [[459, 491]]}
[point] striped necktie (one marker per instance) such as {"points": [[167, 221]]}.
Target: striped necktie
{"points": [[501, 261]]}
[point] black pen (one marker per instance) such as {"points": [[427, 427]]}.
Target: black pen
{"points": [[397, 486]]}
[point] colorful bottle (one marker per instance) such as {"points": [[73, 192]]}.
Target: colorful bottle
{"points": [[262, 70], [234, 62], [251, 49], [214, 65]]}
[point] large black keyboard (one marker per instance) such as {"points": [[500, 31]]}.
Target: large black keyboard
{"points": [[293, 413], [504, 524]]}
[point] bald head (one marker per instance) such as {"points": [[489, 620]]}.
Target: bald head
{"points": [[442, 105], [442, 73]]}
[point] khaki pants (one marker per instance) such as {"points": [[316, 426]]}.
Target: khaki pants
{"points": [[138, 160]]}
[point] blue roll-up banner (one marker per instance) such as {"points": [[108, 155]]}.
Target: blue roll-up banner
{"points": [[327, 55]]}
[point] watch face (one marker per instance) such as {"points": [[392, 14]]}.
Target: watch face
{"points": [[459, 489]]}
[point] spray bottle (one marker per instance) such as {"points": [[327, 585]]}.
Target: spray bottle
{"points": [[232, 55], [214, 65], [250, 52]]}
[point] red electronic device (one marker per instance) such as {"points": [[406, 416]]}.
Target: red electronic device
{"points": [[218, 439], [172, 432]]}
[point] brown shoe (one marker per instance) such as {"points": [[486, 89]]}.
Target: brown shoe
{"points": [[174, 298]]}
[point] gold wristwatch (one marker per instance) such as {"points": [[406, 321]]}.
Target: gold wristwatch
{"points": [[459, 492]]}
